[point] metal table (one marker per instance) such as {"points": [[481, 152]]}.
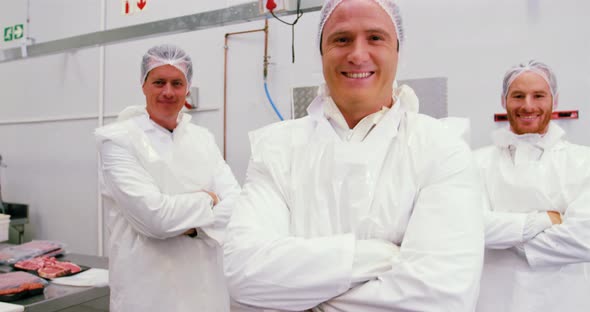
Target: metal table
{"points": [[69, 298]]}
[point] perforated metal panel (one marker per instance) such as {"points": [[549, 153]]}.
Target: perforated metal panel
{"points": [[432, 93], [301, 97]]}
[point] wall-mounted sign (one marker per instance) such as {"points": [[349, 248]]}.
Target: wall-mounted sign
{"points": [[14, 32], [571, 114], [129, 7]]}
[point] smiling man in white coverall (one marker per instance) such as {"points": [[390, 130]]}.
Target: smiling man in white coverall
{"points": [[173, 195], [364, 205], [538, 189]]}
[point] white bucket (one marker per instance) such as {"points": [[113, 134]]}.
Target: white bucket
{"points": [[4, 227]]}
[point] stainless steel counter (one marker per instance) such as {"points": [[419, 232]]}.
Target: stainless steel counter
{"points": [[69, 298]]}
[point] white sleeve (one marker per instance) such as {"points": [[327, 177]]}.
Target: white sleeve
{"points": [[225, 186], [372, 258], [441, 257], [267, 267], [509, 229], [565, 243], [536, 222], [504, 229], [148, 211]]}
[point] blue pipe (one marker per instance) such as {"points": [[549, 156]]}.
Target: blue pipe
{"points": [[271, 102]]}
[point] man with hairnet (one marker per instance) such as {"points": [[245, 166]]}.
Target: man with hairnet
{"points": [[173, 194], [537, 226], [363, 205]]}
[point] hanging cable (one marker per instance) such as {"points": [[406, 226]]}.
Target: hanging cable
{"points": [[271, 5]]}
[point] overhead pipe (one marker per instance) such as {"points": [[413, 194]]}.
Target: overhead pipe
{"points": [[265, 73]]}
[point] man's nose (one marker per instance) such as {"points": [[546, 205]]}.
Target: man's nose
{"points": [[167, 91], [529, 102], [359, 53]]}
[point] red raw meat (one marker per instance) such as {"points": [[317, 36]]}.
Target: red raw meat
{"points": [[70, 266], [53, 271], [30, 265], [48, 267], [35, 263]]}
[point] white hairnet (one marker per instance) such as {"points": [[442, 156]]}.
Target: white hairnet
{"points": [[533, 66], [167, 54], [389, 6]]}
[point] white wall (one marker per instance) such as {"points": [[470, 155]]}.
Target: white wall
{"points": [[58, 19], [52, 164], [474, 42], [158, 10]]}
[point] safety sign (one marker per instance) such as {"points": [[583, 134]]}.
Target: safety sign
{"points": [[13, 32], [129, 7]]}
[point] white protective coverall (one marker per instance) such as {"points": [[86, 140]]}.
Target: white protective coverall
{"points": [[524, 177], [154, 177], [311, 200]]}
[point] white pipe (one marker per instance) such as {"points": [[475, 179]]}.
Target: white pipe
{"points": [[23, 50], [51, 119], [101, 84]]}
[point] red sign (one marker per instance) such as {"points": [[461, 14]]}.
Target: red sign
{"points": [[141, 4], [573, 114], [130, 7]]}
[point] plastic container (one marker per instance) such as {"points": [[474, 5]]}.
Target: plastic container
{"points": [[14, 254], [4, 227], [18, 285]]}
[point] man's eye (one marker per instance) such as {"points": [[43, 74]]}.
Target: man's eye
{"points": [[158, 82], [341, 40], [375, 38]]}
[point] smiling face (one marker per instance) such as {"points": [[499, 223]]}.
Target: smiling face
{"points": [[529, 104], [359, 56], [165, 91]]}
